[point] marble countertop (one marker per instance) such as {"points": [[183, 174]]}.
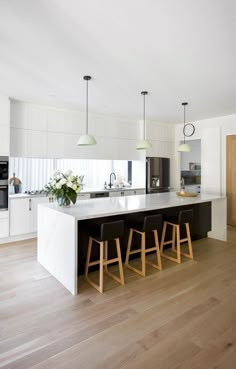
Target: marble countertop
{"points": [[110, 206], [86, 190], [24, 196]]}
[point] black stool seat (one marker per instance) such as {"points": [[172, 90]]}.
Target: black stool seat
{"points": [[108, 231], [150, 223], [185, 216], [102, 235]]}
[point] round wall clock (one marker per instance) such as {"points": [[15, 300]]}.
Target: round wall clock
{"points": [[188, 130]]}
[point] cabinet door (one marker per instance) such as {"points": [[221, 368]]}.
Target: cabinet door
{"points": [[83, 196], [140, 192], [20, 215], [116, 193], [4, 140], [35, 201]]}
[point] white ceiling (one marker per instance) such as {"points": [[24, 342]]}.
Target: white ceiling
{"points": [[177, 50]]}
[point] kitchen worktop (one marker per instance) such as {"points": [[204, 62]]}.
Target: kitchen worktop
{"points": [[84, 191], [24, 195], [110, 206]]}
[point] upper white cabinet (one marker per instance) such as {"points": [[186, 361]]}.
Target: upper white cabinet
{"points": [[42, 131], [4, 126]]}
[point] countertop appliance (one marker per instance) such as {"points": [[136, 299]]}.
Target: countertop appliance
{"points": [[157, 175], [4, 175]]}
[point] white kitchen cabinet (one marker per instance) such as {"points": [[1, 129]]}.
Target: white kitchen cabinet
{"points": [[116, 193], [20, 216], [126, 192], [4, 126], [4, 224], [23, 215], [4, 140], [19, 114], [83, 196], [19, 145], [55, 145]]}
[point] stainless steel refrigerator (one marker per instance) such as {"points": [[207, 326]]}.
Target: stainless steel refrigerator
{"points": [[157, 175]]}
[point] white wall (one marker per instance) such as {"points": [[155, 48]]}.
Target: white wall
{"points": [[4, 125], [212, 133]]}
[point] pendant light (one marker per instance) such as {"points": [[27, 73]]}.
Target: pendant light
{"points": [[86, 140], [143, 144], [184, 147]]}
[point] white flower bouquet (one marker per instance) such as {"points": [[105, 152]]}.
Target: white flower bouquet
{"points": [[63, 186]]}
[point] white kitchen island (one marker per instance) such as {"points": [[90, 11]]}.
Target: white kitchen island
{"points": [[58, 227]]}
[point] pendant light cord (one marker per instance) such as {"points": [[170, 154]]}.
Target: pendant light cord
{"points": [[184, 123], [144, 118], [86, 107]]}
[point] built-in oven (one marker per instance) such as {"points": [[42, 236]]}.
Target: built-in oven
{"points": [[4, 174], [4, 169], [3, 197]]}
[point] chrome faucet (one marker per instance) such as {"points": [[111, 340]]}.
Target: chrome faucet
{"points": [[110, 184]]}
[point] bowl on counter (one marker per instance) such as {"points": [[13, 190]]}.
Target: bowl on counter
{"points": [[186, 194]]}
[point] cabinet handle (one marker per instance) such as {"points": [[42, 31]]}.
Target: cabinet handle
{"points": [[30, 205], [135, 192]]}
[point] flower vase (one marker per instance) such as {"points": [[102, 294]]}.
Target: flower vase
{"points": [[64, 202]]}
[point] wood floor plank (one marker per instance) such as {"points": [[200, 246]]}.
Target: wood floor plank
{"points": [[180, 318]]}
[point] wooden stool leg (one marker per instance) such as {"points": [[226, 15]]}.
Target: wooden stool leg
{"points": [[173, 239], [88, 256], [143, 256], [131, 231], [190, 248], [178, 244], [106, 254], [189, 241], [159, 264], [101, 268], [120, 262], [163, 236]]}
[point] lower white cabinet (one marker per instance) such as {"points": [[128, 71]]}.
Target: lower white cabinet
{"points": [[4, 224], [83, 196], [126, 193], [23, 215]]}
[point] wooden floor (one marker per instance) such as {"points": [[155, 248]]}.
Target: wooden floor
{"points": [[181, 318]]}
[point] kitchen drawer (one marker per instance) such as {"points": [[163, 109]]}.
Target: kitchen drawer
{"points": [[83, 196]]}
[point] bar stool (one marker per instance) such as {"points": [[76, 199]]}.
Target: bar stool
{"points": [[150, 224], [185, 218], [106, 232]]}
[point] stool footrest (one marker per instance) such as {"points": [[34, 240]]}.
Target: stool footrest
{"points": [[110, 261], [135, 270], [154, 248], [154, 265], [135, 251], [170, 258], [167, 242], [111, 275]]}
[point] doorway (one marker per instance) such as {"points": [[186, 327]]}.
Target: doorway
{"points": [[231, 179]]}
